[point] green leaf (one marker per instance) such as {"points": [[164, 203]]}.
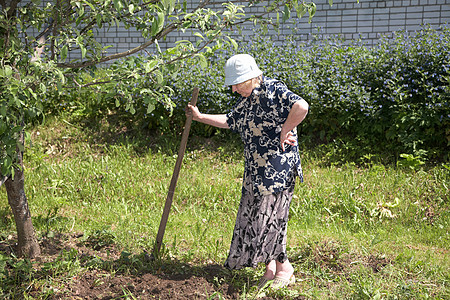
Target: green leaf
{"points": [[168, 5], [301, 9], [90, 5], [2, 127], [186, 24], [198, 34], [99, 19], [159, 77], [8, 71], [6, 166], [157, 46], [233, 42], [83, 51], [158, 23], [117, 5], [330, 2], [43, 88], [150, 107], [208, 50], [213, 33], [20, 147], [145, 91], [312, 11], [61, 76], [161, 16], [80, 15], [64, 51], [286, 13], [150, 65], [32, 93], [131, 8], [202, 61]]}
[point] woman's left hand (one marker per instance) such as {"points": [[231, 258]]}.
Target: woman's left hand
{"points": [[287, 139], [296, 115]]}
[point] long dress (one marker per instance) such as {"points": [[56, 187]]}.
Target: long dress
{"points": [[269, 177]]}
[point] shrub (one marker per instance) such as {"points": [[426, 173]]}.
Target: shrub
{"points": [[408, 81], [385, 100], [381, 101]]}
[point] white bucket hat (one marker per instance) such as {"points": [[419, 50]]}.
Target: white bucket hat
{"points": [[240, 68]]}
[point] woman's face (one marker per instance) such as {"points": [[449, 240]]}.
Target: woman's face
{"points": [[245, 88]]}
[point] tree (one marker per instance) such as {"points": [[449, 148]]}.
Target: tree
{"points": [[35, 67]]}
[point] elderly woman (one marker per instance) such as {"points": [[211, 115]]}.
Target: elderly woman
{"points": [[266, 117]]}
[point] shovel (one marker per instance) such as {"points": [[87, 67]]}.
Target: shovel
{"points": [[173, 182]]}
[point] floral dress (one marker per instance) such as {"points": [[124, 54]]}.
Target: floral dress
{"points": [[269, 176]]}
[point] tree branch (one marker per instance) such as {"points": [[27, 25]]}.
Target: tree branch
{"points": [[140, 8], [12, 7], [163, 33], [181, 57], [88, 63], [52, 40]]}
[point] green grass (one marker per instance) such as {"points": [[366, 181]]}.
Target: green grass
{"points": [[372, 232]]}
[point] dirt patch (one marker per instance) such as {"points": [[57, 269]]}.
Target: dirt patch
{"points": [[329, 254], [103, 285], [337, 258], [72, 267], [94, 267], [377, 263]]}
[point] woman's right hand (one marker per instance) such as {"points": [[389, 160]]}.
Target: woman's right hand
{"points": [[193, 111], [213, 120]]}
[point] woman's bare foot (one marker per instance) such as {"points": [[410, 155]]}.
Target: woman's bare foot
{"points": [[283, 276], [284, 270], [268, 276], [271, 269]]}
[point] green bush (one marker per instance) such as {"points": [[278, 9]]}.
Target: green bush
{"points": [[378, 102], [408, 81], [381, 101]]}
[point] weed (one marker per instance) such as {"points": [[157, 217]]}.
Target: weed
{"points": [[100, 239], [410, 161]]}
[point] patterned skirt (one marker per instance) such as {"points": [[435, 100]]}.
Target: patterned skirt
{"points": [[260, 230]]}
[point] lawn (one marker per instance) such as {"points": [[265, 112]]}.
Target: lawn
{"points": [[96, 194]]}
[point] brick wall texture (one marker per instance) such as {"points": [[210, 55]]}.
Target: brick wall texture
{"points": [[367, 20]]}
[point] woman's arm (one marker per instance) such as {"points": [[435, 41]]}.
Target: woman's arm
{"points": [[296, 116], [213, 120]]}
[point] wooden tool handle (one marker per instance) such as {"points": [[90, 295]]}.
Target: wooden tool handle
{"points": [[176, 172]]}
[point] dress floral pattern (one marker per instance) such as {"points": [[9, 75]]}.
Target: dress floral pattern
{"points": [[269, 176], [259, 119]]}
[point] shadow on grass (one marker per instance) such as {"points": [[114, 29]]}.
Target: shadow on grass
{"points": [[95, 267], [103, 132], [75, 266]]}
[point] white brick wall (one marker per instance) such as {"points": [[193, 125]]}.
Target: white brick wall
{"points": [[367, 19]]}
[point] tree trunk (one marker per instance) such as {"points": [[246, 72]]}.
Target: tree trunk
{"points": [[28, 245]]}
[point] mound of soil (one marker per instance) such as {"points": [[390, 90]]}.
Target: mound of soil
{"points": [[102, 285], [114, 277]]}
